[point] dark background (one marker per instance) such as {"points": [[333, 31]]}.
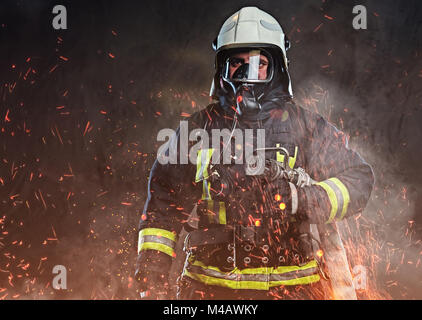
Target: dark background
{"points": [[80, 110]]}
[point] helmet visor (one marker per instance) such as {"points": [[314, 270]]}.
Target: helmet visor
{"points": [[248, 66]]}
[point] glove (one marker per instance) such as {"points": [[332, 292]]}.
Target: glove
{"points": [[152, 275], [227, 179], [153, 286], [280, 195]]}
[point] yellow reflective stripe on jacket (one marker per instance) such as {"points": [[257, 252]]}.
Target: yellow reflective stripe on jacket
{"points": [[252, 285], [213, 217], [202, 162], [157, 239], [253, 278], [206, 188], [157, 232], [267, 270], [333, 200], [222, 212], [292, 161], [345, 195], [298, 281], [339, 197], [280, 157], [157, 246], [210, 211]]}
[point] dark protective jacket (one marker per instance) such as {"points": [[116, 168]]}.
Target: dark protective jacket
{"points": [[247, 240]]}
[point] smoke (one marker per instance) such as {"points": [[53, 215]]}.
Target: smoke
{"points": [[80, 110], [384, 239]]}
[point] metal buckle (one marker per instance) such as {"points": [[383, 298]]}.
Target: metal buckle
{"points": [[247, 247]]}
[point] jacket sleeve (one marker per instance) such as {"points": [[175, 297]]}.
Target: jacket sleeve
{"points": [[168, 205], [344, 181]]}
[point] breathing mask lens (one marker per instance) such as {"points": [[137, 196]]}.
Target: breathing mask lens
{"points": [[248, 66]]}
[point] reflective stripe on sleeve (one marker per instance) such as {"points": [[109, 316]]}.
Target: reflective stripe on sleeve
{"points": [[339, 197], [157, 239], [345, 194], [333, 200], [156, 246], [158, 232]]}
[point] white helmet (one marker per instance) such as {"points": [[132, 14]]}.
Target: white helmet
{"points": [[251, 27]]}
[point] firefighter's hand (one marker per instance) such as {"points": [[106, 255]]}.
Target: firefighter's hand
{"points": [[282, 197], [228, 179], [154, 286]]}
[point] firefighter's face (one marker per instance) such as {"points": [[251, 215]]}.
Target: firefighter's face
{"points": [[239, 59]]}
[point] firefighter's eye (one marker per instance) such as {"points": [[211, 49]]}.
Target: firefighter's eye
{"points": [[235, 62], [263, 63]]}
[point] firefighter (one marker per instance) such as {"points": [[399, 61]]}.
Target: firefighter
{"points": [[253, 235]]}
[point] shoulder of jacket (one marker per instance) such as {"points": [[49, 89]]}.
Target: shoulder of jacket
{"points": [[311, 119], [209, 113], [318, 123]]}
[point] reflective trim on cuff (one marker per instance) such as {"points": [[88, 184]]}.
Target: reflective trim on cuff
{"points": [[339, 198], [157, 246], [157, 239], [345, 195], [333, 200], [157, 232]]}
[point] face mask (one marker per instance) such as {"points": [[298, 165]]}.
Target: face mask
{"points": [[247, 100], [247, 73]]}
